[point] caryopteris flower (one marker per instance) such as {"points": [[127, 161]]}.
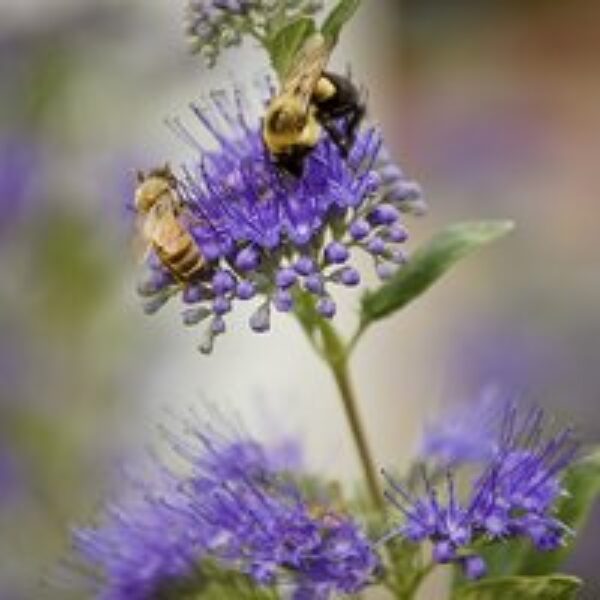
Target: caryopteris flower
{"points": [[236, 509], [261, 524], [267, 235], [515, 496], [271, 533], [213, 25]]}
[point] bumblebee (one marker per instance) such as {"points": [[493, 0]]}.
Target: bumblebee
{"points": [[162, 225], [311, 99]]}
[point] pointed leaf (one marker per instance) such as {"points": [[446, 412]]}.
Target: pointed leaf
{"points": [[408, 569], [286, 43], [555, 587], [428, 264], [338, 17], [504, 559]]}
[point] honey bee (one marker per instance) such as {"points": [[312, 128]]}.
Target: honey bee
{"points": [[311, 99], [161, 225]]}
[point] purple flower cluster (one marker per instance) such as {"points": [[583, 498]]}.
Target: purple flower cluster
{"points": [[237, 509], [268, 235], [213, 25], [271, 533], [514, 496]]}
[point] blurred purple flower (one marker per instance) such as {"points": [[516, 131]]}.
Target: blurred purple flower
{"points": [[267, 234], [145, 548], [514, 496], [236, 508], [11, 476], [506, 351], [467, 433], [20, 163], [481, 150]]}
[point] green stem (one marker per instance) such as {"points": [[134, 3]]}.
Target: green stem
{"points": [[407, 589], [331, 348], [354, 339], [418, 580], [340, 372]]}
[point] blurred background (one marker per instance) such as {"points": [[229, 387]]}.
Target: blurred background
{"points": [[492, 106]]}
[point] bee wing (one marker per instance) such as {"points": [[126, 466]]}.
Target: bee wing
{"points": [[164, 228], [140, 244], [159, 227], [303, 75]]}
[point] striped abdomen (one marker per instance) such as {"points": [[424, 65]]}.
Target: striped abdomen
{"points": [[185, 262], [177, 249]]}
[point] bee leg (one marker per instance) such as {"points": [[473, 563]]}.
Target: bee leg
{"points": [[292, 162], [338, 138], [354, 121], [344, 138]]}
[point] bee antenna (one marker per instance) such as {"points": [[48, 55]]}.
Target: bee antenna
{"points": [[141, 177], [170, 176]]}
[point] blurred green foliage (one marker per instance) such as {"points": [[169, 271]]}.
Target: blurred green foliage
{"points": [[59, 311], [73, 279]]}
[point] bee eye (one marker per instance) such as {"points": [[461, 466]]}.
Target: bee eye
{"points": [[277, 121]]}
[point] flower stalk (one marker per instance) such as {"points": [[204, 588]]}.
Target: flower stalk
{"points": [[335, 353], [340, 372]]}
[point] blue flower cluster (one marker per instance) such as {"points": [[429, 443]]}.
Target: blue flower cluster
{"points": [[267, 235], [213, 25], [237, 509], [514, 496]]}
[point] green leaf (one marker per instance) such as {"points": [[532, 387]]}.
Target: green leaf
{"points": [[216, 583], [338, 17], [504, 559], [554, 587], [582, 482], [73, 275], [428, 264], [408, 571], [287, 41]]}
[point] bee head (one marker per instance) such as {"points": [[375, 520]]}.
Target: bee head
{"points": [[288, 116], [151, 187]]}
